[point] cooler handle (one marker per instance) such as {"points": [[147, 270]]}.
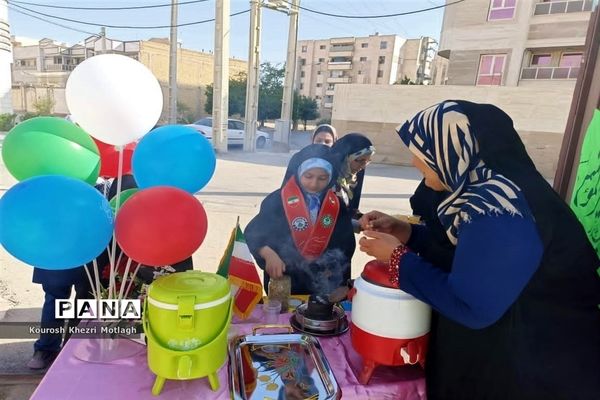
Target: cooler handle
{"points": [[185, 312]]}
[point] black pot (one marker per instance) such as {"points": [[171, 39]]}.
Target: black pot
{"points": [[319, 308]]}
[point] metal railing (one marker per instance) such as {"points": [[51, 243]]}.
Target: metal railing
{"points": [[349, 47], [59, 67], [549, 73], [562, 7]]}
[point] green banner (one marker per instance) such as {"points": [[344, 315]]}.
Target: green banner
{"points": [[586, 192]]}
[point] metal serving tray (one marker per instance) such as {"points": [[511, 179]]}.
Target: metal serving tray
{"points": [[280, 366]]}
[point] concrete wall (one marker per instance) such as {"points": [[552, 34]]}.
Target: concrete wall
{"points": [[539, 116], [194, 71], [24, 99]]}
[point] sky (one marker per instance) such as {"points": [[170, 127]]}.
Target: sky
{"points": [[201, 37]]}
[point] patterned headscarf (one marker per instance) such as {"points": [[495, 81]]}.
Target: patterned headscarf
{"points": [[441, 137]]}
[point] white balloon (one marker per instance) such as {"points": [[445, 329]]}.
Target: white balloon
{"points": [[114, 98]]}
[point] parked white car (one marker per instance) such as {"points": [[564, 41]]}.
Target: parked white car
{"points": [[235, 132]]}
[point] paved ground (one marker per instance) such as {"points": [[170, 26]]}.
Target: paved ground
{"points": [[241, 181]]}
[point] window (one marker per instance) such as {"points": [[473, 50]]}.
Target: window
{"points": [[318, 97], [381, 59], [502, 9], [303, 61], [235, 125], [204, 122], [319, 85], [322, 47], [380, 74], [362, 59], [540, 60], [27, 63], [301, 86], [491, 68], [359, 72], [58, 60], [570, 60], [304, 49], [364, 45], [302, 74], [321, 60], [383, 45], [318, 72]]}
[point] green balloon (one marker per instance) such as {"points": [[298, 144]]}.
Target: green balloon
{"points": [[50, 146], [125, 195]]}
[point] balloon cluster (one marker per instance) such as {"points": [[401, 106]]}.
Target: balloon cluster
{"points": [[55, 219]]}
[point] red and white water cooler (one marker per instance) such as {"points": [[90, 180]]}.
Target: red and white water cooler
{"points": [[389, 327]]}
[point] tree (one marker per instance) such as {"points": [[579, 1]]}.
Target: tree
{"points": [[306, 109], [404, 81], [295, 111], [271, 92], [237, 95], [44, 105], [184, 114], [269, 97]]}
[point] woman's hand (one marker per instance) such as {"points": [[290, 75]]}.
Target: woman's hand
{"points": [[380, 222], [378, 244]]}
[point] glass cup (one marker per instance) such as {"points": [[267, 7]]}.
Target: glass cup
{"points": [[271, 311]]}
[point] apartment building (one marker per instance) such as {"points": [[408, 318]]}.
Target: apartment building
{"points": [[42, 68], [376, 59], [535, 43]]}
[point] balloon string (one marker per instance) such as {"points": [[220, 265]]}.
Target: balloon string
{"points": [[98, 284], [132, 278], [87, 272], [112, 285], [124, 278]]}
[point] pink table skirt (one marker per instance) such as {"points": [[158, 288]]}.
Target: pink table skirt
{"points": [[131, 379]]}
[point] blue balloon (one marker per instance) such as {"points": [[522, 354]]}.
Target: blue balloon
{"points": [[174, 155], [55, 222]]}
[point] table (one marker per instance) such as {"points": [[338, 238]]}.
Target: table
{"points": [[131, 379]]}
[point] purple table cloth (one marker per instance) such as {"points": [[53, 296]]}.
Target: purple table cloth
{"points": [[130, 378]]}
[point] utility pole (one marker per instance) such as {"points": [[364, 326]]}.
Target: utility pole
{"points": [[221, 76], [6, 58], [287, 104], [173, 65], [103, 42], [253, 78]]}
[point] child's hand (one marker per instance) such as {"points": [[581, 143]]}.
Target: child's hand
{"points": [[275, 266]]}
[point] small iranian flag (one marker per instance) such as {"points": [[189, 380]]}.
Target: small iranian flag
{"points": [[237, 265]]}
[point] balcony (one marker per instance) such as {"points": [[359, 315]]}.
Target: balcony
{"points": [[343, 79], [339, 65], [344, 40], [329, 92], [340, 48], [549, 73], [59, 67], [562, 7], [328, 105]]}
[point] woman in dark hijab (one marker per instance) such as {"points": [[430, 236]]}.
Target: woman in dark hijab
{"points": [[354, 152], [302, 229], [517, 314], [324, 134]]}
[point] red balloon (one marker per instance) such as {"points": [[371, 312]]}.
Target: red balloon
{"points": [[109, 158], [160, 226]]}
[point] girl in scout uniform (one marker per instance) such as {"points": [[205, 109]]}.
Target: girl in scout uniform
{"points": [[303, 229]]}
